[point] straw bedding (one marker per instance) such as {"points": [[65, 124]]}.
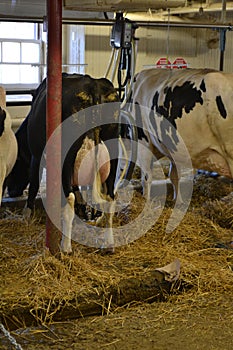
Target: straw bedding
{"points": [[44, 286]]}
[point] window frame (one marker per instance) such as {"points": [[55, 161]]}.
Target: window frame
{"points": [[19, 86]]}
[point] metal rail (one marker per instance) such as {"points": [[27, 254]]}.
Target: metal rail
{"points": [[21, 102], [108, 22]]}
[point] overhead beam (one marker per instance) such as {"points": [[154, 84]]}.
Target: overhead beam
{"points": [[151, 23]]}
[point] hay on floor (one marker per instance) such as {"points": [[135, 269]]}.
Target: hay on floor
{"points": [[33, 279]]}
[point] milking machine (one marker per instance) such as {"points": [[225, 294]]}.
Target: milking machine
{"points": [[121, 70]]}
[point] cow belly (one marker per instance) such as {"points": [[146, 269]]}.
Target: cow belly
{"points": [[206, 147], [89, 160], [211, 160]]}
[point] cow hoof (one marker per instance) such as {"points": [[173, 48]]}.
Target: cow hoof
{"points": [[66, 248], [107, 251], [66, 253], [27, 212]]}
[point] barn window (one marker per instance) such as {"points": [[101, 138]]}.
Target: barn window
{"points": [[23, 53], [20, 55]]}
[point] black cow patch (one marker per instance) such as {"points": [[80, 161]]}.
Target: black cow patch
{"points": [[2, 120], [202, 86], [138, 116], [153, 121], [221, 107], [181, 98], [168, 135]]}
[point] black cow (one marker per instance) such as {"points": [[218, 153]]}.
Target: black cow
{"points": [[78, 93]]}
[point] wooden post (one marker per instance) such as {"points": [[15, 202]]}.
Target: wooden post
{"points": [[53, 120]]}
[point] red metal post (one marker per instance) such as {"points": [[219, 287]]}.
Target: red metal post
{"points": [[53, 120]]}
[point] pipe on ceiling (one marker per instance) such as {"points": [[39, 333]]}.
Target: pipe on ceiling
{"points": [[140, 23]]}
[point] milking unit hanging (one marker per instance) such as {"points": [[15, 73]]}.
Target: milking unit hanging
{"points": [[122, 64]]}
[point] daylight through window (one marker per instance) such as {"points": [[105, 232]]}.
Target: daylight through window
{"points": [[20, 57]]}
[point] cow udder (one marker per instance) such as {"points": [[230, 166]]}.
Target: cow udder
{"points": [[87, 163]]}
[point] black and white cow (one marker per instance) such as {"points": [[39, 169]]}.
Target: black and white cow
{"points": [[8, 144], [78, 93], [189, 105]]}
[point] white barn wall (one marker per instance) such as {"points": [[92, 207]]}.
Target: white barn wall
{"points": [[97, 49], [189, 43]]}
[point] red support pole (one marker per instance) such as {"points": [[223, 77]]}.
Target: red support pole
{"points": [[53, 120]]}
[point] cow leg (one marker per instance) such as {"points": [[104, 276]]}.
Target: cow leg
{"points": [[107, 205], [146, 177], [35, 178], [68, 217], [108, 235], [106, 219], [2, 188], [145, 162], [104, 195], [146, 184], [2, 177], [68, 202], [175, 180]]}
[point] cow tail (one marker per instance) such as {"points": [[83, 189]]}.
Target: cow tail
{"points": [[97, 194]]}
